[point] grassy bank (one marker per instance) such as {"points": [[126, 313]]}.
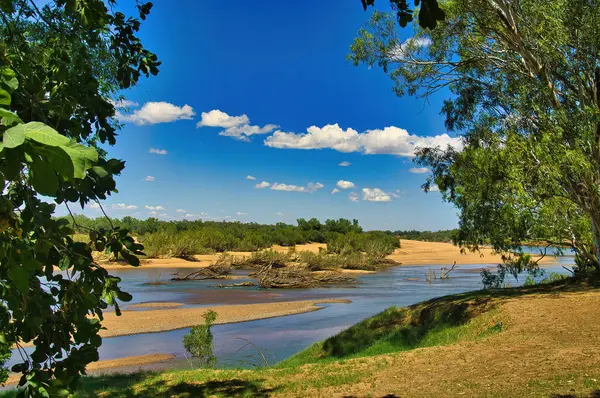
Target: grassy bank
{"points": [[528, 341]]}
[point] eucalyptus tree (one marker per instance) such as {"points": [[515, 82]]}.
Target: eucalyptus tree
{"points": [[60, 65], [522, 79]]}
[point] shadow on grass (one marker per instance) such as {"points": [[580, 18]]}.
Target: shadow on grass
{"points": [[142, 384], [407, 328], [595, 394]]}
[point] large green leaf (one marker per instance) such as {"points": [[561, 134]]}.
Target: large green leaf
{"points": [[43, 178], [19, 277], [44, 134], [59, 159], [9, 118], [14, 136], [82, 157]]}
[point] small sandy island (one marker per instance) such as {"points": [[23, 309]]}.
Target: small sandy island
{"points": [[153, 305], [412, 252], [161, 320]]}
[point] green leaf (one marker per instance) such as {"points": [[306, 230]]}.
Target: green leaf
{"points": [[19, 277], [6, 6], [82, 157], [12, 166], [44, 134], [59, 159], [9, 118], [100, 171], [14, 136], [130, 258], [64, 263], [9, 78], [4, 97], [43, 178], [96, 340]]}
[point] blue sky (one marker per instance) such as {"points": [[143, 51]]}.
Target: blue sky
{"points": [[240, 86]]}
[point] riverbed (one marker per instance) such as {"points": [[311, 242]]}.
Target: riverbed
{"points": [[280, 337]]}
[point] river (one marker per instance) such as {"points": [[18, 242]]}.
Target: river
{"points": [[281, 337]]}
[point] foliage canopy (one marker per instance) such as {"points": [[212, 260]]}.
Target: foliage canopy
{"points": [[60, 65], [525, 84]]}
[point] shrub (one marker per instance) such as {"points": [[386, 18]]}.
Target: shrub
{"points": [[199, 342], [267, 257]]}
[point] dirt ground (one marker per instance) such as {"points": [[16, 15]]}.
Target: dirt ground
{"points": [[549, 346]]}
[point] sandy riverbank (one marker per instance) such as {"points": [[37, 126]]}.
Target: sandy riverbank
{"points": [[412, 252], [161, 320]]}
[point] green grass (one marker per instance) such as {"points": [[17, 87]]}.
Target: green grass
{"points": [[433, 323]]}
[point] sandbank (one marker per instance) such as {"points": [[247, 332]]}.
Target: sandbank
{"points": [[161, 320]]}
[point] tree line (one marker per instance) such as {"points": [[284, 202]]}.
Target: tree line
{"points": [[183, 238]]}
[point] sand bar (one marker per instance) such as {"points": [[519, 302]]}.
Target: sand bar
{"points": [[414, 252], [152, 305], [161, 320]]}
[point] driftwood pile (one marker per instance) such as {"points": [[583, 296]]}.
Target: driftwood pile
{"points": [[214, 271], [297, 278], [241, 284]]}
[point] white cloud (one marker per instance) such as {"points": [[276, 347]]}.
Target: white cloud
{"points": [[391, 140], [279, 214], [93, 205], [434, 188], [242, 132], [353, 196], [401, 51], [158, 151], [285, 187], [262, 185], [237, 127], [216, 118], [396, 194], [334, 191], [330, 136], [419, 170], [375, 195], [181, 211], [153, 208], [153, 213], [189, 215], [249, 177], [123, 206], [149, 178], [157, 112], [124, 103], [239, 213], [163, 215], [345, 184], [310, 187], [344, 164]]}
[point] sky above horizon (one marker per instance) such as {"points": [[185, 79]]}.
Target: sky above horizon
{"points": [[257, 116]]}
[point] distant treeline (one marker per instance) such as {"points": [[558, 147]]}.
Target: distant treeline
{"points": [[427, 236], [184, 238]]}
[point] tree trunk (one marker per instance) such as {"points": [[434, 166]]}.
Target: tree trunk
{"points": [[596, 236]]}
